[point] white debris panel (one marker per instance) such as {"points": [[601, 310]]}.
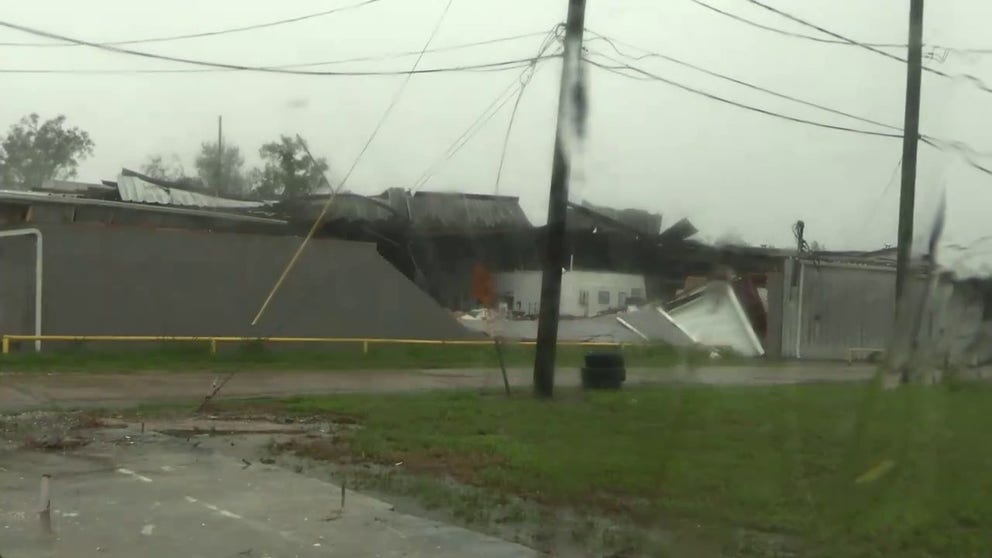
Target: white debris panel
{"points": [[713, 316]]}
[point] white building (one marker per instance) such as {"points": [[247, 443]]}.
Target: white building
{"points": [[583, 293]]}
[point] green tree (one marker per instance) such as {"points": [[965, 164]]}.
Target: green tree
{"points": [[288, 172], [34, 151], [225, 174]]}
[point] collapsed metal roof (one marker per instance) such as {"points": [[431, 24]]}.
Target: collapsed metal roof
{"points": [[138, 188], [434, 212], [585, 215], [115, 210], [455, 211], [76, 188]]}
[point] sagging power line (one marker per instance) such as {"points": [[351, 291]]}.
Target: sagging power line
{"points": [[367, 58], [613, 44], [507, 64], [974, 80], [620, 68], [968, 153], [344, 181], [202, 34], [903, 46], [516, 87]]}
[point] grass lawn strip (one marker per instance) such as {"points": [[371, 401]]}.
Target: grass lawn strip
{"points": [[850, 470]]}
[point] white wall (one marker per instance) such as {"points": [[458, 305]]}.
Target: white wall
{"points": [[525, 287]]}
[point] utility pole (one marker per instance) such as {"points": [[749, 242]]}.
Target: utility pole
{"points": [[907, 194], [220, 154], [554, 256], [910, 145]]}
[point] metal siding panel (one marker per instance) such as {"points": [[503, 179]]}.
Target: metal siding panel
{"points": [[776, 296], [17, 284], [127, 281], [845, 307], [790, 303]]}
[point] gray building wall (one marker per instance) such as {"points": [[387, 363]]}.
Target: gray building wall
{"points": [[773, 333], [843, 306], [17, 284], [839, 307], [131, 281], [956, 326]]}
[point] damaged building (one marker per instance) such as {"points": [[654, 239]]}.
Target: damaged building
{"points": [[182, 263], [141, 256], [441, 239]]}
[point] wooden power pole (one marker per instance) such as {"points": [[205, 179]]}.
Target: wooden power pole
{"points": [[910, 145], [554, 257]]}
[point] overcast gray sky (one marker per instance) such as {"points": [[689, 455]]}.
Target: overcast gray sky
{"points": [[733, 172]]}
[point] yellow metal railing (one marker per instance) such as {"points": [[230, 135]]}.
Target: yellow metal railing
{"points": [[214, 341]]}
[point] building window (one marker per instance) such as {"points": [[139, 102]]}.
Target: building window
{"points": [[583, 298], [604, 298]]}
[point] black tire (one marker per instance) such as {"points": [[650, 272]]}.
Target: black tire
{"points": [[611, 359], [603, 378]]}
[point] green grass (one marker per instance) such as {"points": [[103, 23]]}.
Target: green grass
{"points": [[179, 357], [784, 460]]}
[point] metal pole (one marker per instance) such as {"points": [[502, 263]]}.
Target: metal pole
{"points": [[910, 143], [220, 153], [554, 257]]}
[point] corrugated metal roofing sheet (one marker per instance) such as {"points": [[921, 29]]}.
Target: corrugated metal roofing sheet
{"points": [[22, 197], [444, 210], [345, 206], [429, 211], [134, 189], [73, 187], [585, 215]]}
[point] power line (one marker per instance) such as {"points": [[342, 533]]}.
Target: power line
{"points": [[613, 44], [975, 80], [206, 33], [509, 130], [942, 144], [487, 114], [622, 67], [517, 85], [375, 132], [428, 51], [396, 97], [967, 152], [265, 69], [498, 66], [376, 57], [876, 205], [753, 23]]}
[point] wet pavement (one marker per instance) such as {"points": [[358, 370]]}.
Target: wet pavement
{"points": [[147, 494]]}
